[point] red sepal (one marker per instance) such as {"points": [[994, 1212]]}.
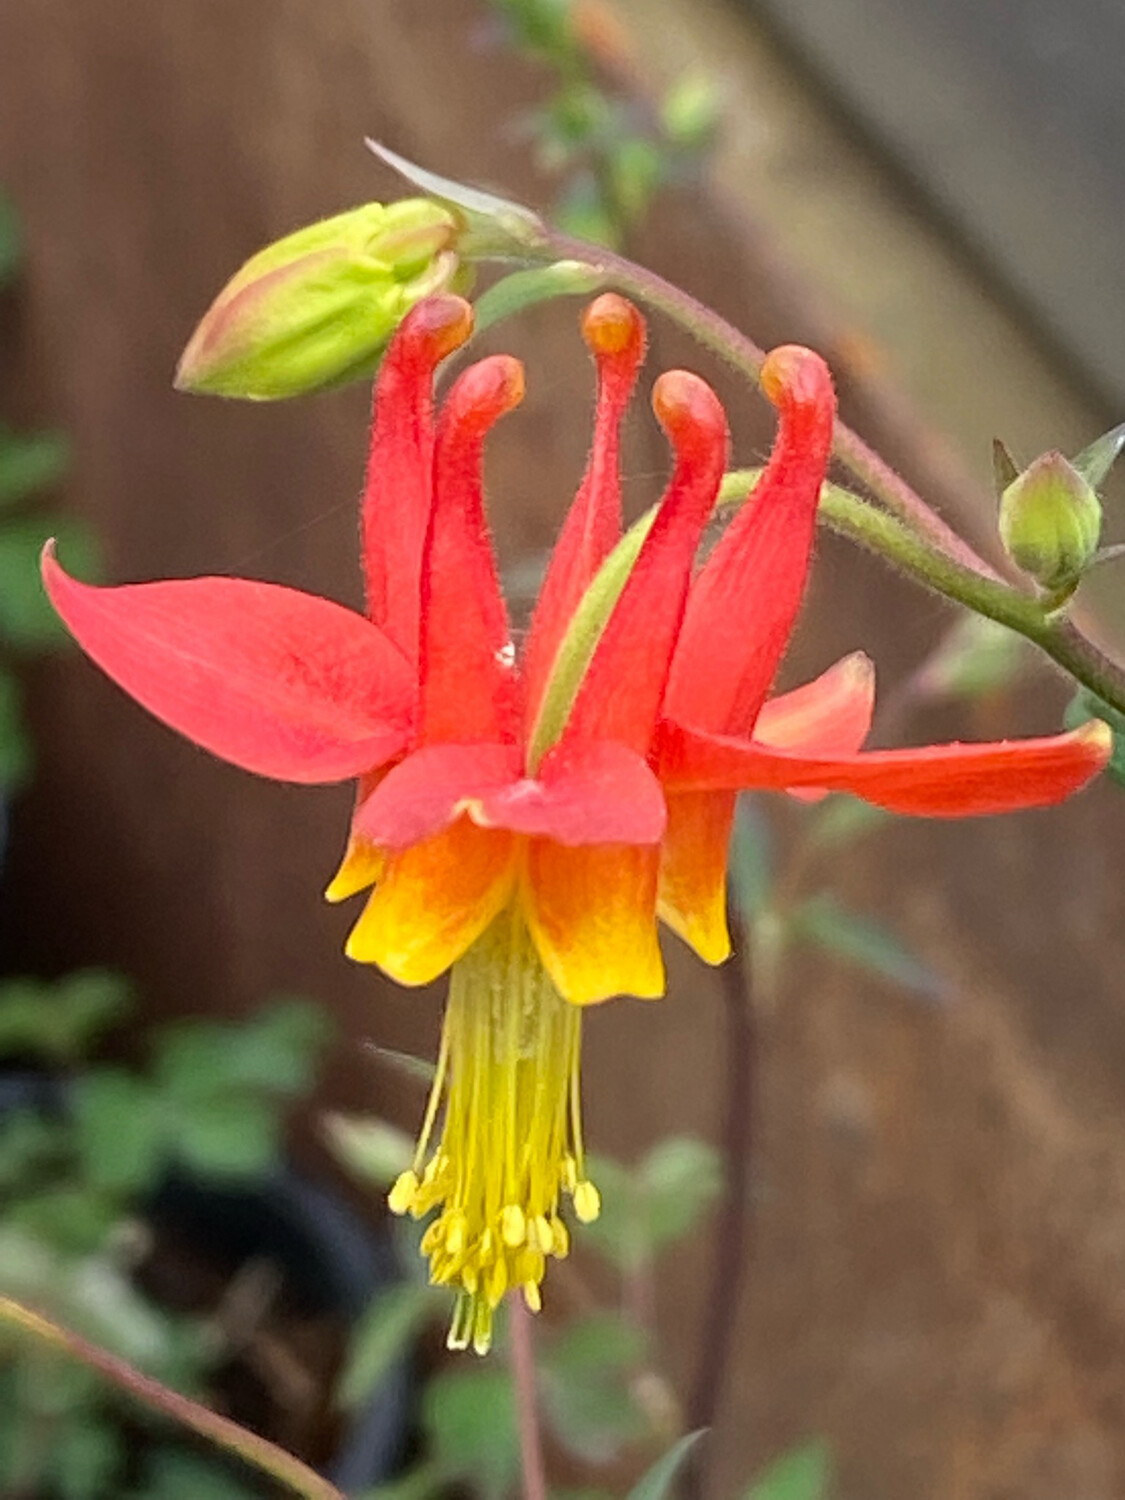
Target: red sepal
{"points": [[273, 680], [936, 781]]}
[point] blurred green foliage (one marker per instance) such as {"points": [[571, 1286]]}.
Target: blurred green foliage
{"points": [[82, 1144]]}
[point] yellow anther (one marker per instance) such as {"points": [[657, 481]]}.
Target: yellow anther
{"points": [[401, 1197], [531, 1295], [433, 1238], [513, 1225], [587, 1202], [542, 1238], [569, 1173], [560, 1239], [454, 1234]]}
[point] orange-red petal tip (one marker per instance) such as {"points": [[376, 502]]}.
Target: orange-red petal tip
{"points": [[794, 373], [688, 410], [438, 325], [613, 326], [488, 389]]}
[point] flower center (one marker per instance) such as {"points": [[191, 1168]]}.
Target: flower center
{"points": [[511, 1132]]}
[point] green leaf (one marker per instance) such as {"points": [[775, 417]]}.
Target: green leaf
{"points": [[804, 1473], [176, 1475], [11, 241], [584, 1385], [751, 860], [56, 1023], [647, 1207], [681, 1178], [119, 1131], [15, 744], [275, 1053], [75, 1220], [419, 1483], [523, 289], [1086, 705], [85, 1455], [29, 463], [470, 1420], [27, 621], [867, 944], [226, 1136], [383, 1335], [841, 821], [1095, 462], [657, 1482], [373, 1150]]}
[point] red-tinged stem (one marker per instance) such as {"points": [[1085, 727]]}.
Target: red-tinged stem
{"points": [[732, 345], [521, 1333], [732, 1232], [251, 1448]]}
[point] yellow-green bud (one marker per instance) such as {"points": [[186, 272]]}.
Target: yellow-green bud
{"points": [[1050, 522], [318, 307]]}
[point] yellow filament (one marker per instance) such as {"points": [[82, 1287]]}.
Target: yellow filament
{"points": [[510, 1147]]}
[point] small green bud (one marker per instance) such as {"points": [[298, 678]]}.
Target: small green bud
{"points": [[317, 308], [1050, 522]]}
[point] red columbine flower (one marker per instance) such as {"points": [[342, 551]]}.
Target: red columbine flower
{"points": [[524, 820]]}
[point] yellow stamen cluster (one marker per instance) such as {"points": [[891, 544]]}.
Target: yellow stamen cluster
{"points": [[511, 1133]]}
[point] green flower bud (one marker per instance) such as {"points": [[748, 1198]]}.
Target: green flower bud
{"points": [[318, 307], [1050, 522]]}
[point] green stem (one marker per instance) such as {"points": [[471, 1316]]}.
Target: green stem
{"points": [[848, 515], [732, 345], [251, 1448], [1059, 637]]}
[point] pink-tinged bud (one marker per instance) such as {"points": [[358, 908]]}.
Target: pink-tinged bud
{"points": [[1050, 522], [317, 308]]}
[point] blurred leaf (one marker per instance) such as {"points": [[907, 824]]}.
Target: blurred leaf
{"points": [[691, 109], [977, 657], [85, 1456], [751, 860], [867, 944], [637, 167], [27, 1143], [175, 1475], [520, 290], [27, 620], [227, 1136], [11, 246], [804, 1473], [584, 1385], [583, 212], [57, 1022], [383, 1335], [275, 1052], [419, 1483], [646, 1207], [658, 1481], [681, 1178], [15, 744], [470, 1420], [1086, 705], [74, 1219], [1095, 462], [374, 1150], [119, 1129], [840, 821], [29, 462]]}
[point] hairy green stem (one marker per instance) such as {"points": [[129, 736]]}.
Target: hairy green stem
{"points": [[732, 345], [1054, 633], [248, 1446]]}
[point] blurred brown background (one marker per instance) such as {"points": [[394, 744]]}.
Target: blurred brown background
{"points": [[939, 1194]]}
